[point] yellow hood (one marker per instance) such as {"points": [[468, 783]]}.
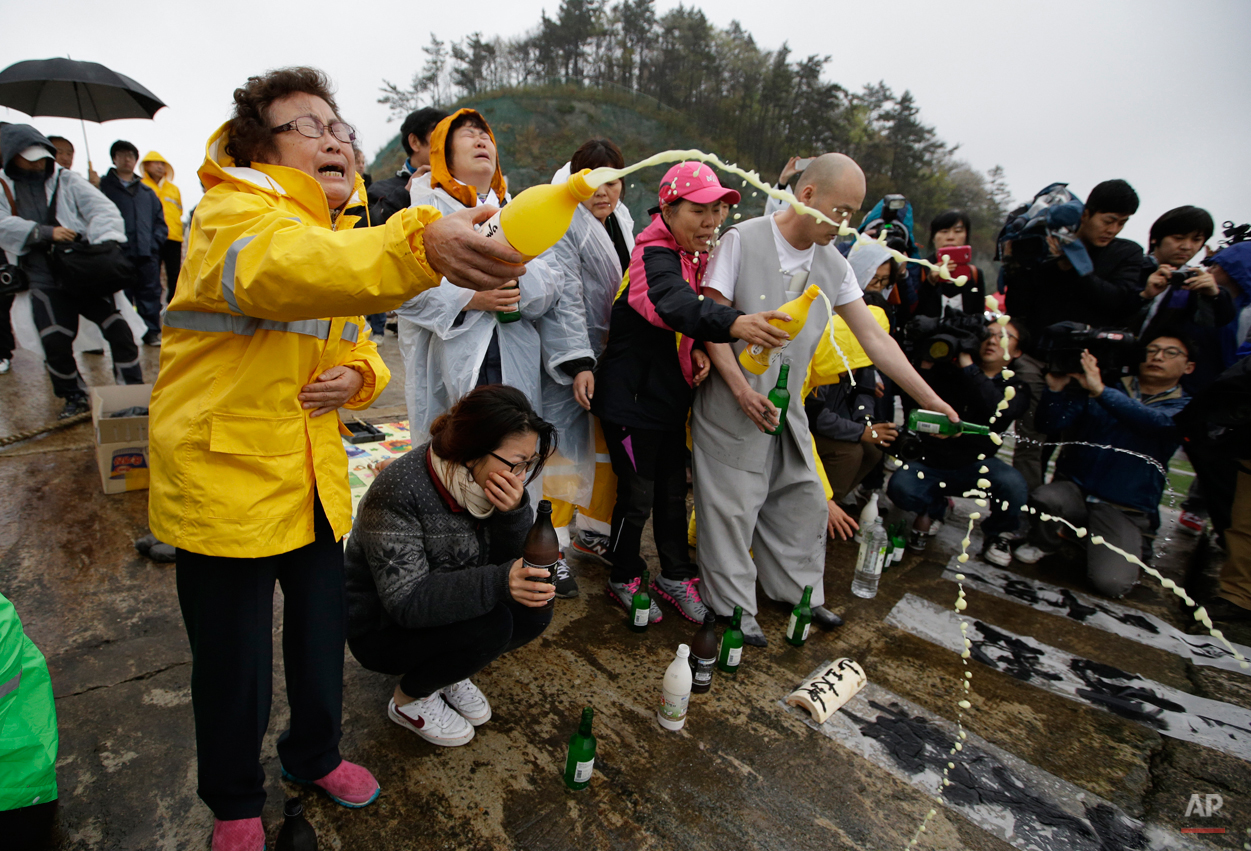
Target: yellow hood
{"points": [[278, 180], [154, 157]]}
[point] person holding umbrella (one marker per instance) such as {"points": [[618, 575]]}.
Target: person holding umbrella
{"points": [[249, 478], [43, 203], [146, 232]]}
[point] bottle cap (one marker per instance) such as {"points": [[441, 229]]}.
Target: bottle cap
{"points": [[683, 651], [578, 187], [293, 808], [545, 506], [710, 617]]}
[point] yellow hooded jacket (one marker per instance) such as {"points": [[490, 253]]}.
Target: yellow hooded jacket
{"points": [[171, 198], [235, 458]]}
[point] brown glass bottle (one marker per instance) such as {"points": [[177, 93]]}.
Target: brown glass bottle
{"points": [[542, 548], [704, 654]]}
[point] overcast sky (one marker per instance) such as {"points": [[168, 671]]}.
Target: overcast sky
{"points": [[1154, 92]]}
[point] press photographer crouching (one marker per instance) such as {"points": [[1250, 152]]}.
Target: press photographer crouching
{"points": [[1108, 488], [963, 360]]}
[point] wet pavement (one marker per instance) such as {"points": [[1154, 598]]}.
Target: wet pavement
{"points": [[744, 772]]}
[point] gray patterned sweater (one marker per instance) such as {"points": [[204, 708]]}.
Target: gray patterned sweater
{"points": [[412, 561]]}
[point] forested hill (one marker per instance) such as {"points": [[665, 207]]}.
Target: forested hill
{"points": [[539, 129], [655, 82]]}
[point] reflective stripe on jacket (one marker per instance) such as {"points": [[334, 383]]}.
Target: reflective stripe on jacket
{"points": [[269, 298]]}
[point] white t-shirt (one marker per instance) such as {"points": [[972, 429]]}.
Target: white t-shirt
{"points": [[727, 261]]}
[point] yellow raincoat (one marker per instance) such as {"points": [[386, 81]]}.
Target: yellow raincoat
{"points": [[171, 198], [235, 458]]}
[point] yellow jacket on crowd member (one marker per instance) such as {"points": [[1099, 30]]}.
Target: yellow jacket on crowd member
{"points": [[171, 198], [827, 364], [235, 458]]}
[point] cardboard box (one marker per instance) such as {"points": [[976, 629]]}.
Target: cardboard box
{"points": [[121, 442]]}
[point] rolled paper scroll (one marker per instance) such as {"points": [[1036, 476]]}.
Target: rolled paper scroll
{"points": [[829, 687]]}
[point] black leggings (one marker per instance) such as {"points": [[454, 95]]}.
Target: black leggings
{"points": [[56, 315], [228, 606], [171, 259], [428, 658], [651, 480]]}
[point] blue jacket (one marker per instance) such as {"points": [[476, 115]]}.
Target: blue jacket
{"points": [[1120, 418], [141, 209]]}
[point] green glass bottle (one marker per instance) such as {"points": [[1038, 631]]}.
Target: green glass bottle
{"points": [[801, 619], [504, 317], [898, 537], [581, 760], [932, 422], [641, 606], [780, 396], [730, 653]]}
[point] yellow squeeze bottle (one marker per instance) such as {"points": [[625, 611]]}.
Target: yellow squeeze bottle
{"points": [[538, 217], [755, 359]]}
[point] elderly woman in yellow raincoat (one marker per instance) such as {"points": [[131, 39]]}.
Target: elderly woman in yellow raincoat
{"points": [[264, 340]]}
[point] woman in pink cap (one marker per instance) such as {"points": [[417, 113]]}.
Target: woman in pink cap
{"points": [[647, 376]]}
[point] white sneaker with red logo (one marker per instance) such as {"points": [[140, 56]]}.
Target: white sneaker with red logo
{"points": [[433, 720]]}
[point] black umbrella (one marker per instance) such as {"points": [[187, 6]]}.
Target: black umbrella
{"points": [[68, 89]]}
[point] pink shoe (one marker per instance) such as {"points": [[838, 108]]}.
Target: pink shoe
{"points": [[349, 785], [243, 834]]}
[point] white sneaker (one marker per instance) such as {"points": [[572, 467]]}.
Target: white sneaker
{"points": [[4, 365], [467, 699], [433, 720], [1029, 554]]}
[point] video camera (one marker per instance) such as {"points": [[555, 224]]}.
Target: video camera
{"points": [[925, 338], [1060, 347]]}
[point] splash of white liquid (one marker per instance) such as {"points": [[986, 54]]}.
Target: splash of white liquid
{"points": [[600, 176]]}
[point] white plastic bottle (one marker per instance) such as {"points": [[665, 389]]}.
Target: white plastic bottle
{"points": [[867, 515], [676, 691], [870, 561]]}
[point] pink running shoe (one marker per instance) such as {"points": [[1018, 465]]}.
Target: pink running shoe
{"points": [[683, 594], [242, 834], [349, 785]]}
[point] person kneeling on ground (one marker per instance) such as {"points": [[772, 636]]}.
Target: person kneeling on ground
{"points": [[954, 466], [1109, 488], [436, 589]]}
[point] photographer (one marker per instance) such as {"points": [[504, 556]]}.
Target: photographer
{"points": [[974, 385], [1093, 280], [950, 230], [1112, 493], [1184, 298]]}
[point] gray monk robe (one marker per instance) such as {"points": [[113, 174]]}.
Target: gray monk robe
{"points": [[753, 490]]}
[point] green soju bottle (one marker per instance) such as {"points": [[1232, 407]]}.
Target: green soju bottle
{"points": [[801, 619], [506, 316], [780, 396], [581, 760], [932, 422], [730, 653], [640, 606]]}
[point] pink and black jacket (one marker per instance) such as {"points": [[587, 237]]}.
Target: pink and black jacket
{"points": [[644, 376]]}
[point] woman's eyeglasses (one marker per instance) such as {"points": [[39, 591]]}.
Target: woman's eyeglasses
{"points": [[312, 127], [518, 468]]}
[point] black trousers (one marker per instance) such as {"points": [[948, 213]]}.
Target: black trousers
{"points": [[145, 292], [7, 343], [56, 315], [651, 480], [430, 658], [171, 259], [227, 605]]}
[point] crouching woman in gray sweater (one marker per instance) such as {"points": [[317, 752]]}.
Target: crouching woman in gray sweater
{"points": [[435, 587]]}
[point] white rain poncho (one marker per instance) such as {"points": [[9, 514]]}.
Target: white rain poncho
{"points": [[590, 275]]}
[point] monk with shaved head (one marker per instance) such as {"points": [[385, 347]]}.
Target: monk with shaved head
{"points": [[755, 491]]}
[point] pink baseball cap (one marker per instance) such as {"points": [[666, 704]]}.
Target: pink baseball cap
{"points": [[697, 183]]}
